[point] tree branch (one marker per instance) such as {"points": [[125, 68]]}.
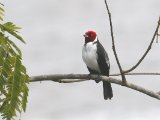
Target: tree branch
{"points": [[113, 44], [148, 49], [135, 73], [70, 78]]}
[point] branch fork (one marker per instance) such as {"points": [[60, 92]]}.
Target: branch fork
{"points": [[123, 72]]}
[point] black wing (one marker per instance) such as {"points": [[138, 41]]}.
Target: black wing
{"points": [[103, 60]]}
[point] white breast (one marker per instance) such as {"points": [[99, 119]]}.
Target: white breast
{"points": [[89, 55]]}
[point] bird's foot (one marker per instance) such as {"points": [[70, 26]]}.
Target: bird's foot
{"points": [[98, 78], [89, 75]]}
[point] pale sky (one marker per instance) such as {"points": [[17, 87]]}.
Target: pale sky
{"points": [[53, 30]]}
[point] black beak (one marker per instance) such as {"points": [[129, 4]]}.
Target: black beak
{"points": [[85, 35]]}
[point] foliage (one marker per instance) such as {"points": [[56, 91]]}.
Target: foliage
{"points": [[13, 76]]}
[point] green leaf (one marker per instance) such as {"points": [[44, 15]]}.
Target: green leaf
{"points": [[15, 47], [11, 26], [1, 12], [24, 97], [11, 31]]}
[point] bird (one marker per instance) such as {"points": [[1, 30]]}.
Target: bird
{"points": [[97, 61]]}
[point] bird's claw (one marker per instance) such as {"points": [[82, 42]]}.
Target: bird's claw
{"points": [[89, 75]]}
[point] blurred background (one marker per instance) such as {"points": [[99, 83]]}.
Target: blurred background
{"points": [[53, 30]]}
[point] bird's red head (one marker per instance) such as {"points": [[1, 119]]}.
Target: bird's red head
{"points": [[90, 36]]}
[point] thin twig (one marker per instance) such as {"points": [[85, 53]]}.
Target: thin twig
{"points": [[113, 44], [69, 78], [148, 49], [158, 34]]}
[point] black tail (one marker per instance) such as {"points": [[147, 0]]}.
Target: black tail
{"points": [[107, 90]]}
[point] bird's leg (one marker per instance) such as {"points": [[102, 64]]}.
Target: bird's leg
{"points": [[98, 78]]}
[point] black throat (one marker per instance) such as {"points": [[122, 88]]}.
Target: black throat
{"points": [[87, 41]]}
